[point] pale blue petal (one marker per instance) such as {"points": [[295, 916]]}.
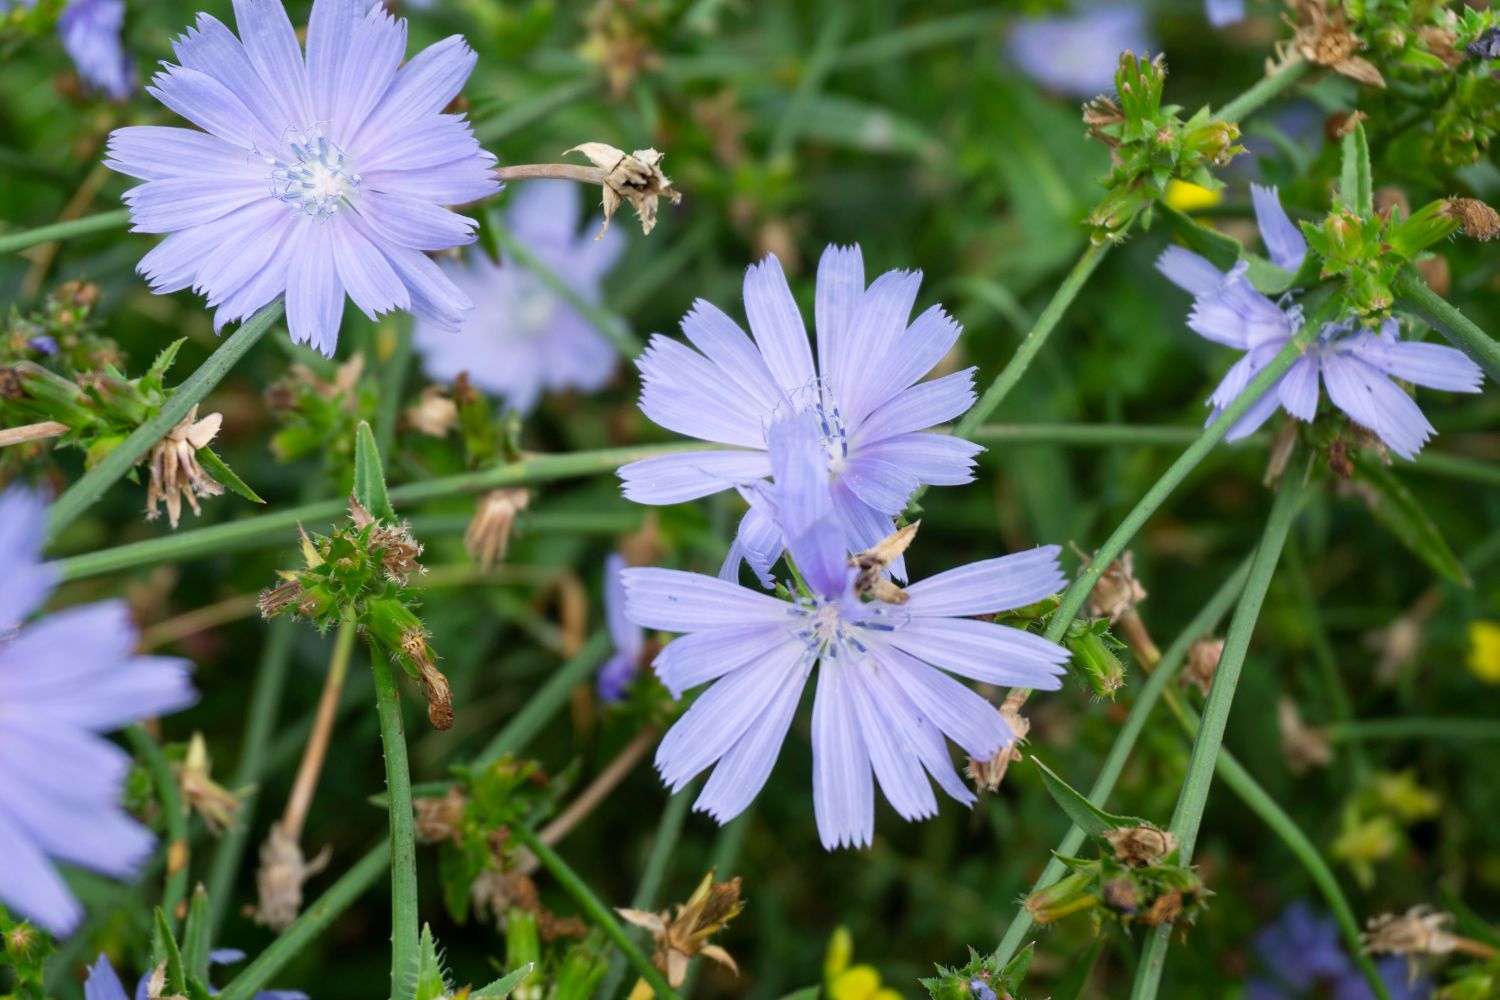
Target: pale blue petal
{"points": [[1190, 272], [397, 218], [1284, 242], [983, 651], [182, 202], [875, 329], [678, 601], [210, 47], [103, 983], [668, 479], [936, 459], [884, 485], [1077, 54], [1374, 401], [91, 35], [777, 326], [683, 391], [843, 790], [1298, 389], [1435, 366], [758, 541], [921, 736], [329, 30], [373, 285], [918, 408], [840, 286], [863, 525], [1224, 12], [29, 886], [727, 346], [699, 657], [426, 85], [271, 43], [804, 506], [967, 719], [897, 767], [985, 587], [915, 353], [376, 48], [314, 294], [207, 103], [26, 582]]}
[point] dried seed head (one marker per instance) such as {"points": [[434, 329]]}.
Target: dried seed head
{"points": [[175, 472], [1303, 746], [280, 878], [501, 892], [488, 536], [399, 550], [438, 819], [1140, 846], [1118, 591], [1163, 909], [1324, 39], [635, 178], [431, 680], [218, 806], [681, 936], [1478, 220], [1121, 895], [1421, 930], [987, 774], [872, 563], [1202, 664], [433, 414]]}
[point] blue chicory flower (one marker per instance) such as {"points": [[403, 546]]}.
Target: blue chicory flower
{"points": [[871, 412], [628, 639], [525, 339], [103, 983], [1077, 54], [1303, 957], [1356, 365], [884, 701], [312, 177], [64, 679], [91, 33], [1222, 13]]}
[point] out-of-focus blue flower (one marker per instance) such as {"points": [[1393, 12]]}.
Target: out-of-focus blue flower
{"points": [[1356, 364], [1303, 957], [1222, 13], [884, 701], [103, 983], [629, 641], [91, 34], [43, 344], [1077, 53], [318, 178], [64, 679], [870, 411], [981, 990], [524, 339]]}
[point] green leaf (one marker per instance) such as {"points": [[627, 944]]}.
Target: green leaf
{"points": [[1085, 815], [502, 987], [214, 466], [1015, 970], [1354, 179], [1073, 981], [1399, 513], [1267, 278], [1222, 251], [169, 953], [455, 877], [369, 477], [195, 943], [432, 983]]}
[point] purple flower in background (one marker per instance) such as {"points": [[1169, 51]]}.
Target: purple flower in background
{"points": [[884, 701], [315, 177], [64, 679], [1077, 54], [870, 412], [1222, 13], [629, 641], [525, 339], [103, 983], [1304, 957], [91, 34], [1356, 364]]}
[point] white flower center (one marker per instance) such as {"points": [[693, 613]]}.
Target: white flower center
{"points": [[835, 437], [534, 304], [315, 177]]}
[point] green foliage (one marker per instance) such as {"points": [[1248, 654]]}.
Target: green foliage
{"points": [[24, 951], [961, 983]]}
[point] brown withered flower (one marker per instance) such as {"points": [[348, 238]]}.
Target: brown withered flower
{"points": [[1303, 746], [1141, 846], [280, 878], [399, 550], [1478, 220], [872, 563], [1421, 930], [1202, 663], [987, 774], [498, 893], [433, 414], [635, 178], [1118, 591], [431, 681], [1323, 38], [681, 936], [174, 469], [488, 536], [218, 806], [438, 818]]}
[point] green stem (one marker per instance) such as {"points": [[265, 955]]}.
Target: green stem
{"points": [[597, 911], [1075, 596], [662, 849], [265, 700], [1096, 435], [1188, 816], [1033, 341], [252, 531], [392, 382], [93, 484], [404, 926], [305, 929], [1263, 91], [27, 238], [1119, 752], [544, 704], [606, 322], [1416, 296], [175, 890], [1414, 729]]}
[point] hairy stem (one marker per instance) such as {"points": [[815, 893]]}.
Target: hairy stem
{"points": [[100, 223], [93, 484], [1266, 89], [403, 851], [1188, 816]]}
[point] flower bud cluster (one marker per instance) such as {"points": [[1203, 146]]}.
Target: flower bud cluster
{"points": [[1137, 880]]}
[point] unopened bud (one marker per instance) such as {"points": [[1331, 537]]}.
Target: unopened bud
{"points": [[1097, 662], [1068, 896]]}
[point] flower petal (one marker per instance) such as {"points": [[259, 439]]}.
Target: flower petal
{"points": [[895, 762], [983, 651], [874, 330], [1285, 244], [843, 792], [668, 479], [699, 657], [678, 601], [967, 719], [841, 285], [925, 405], [985, 587], [314, 294], [776, 325]]}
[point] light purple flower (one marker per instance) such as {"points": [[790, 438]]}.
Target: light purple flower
{"points": [[1077, 54], [1222, 13], [91, 34], [884, 702], [103, 983], [629, 641], [524, 339], [1356, 365], [313, 177], [870, 410], [1303, 956], [64, 679]]}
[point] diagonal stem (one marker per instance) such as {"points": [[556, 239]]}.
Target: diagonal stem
{"points": [[1416, 296], [100, 223]]}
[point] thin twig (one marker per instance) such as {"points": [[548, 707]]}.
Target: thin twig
{"points": [[198, 620], [553, 171], [306, 783], [32, 432]]}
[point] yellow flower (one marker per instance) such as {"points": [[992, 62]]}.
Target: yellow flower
{"points": [[1186, 196], [851, 982], [1484, 651]]}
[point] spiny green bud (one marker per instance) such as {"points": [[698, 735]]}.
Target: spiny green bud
{"points": [[981, 979], [1095, 660], [1073, 894], [579, 974]]}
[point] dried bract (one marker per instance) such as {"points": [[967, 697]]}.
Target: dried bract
{"points": [[987, 774], [488, 536], [1478, 220], [1202, 664], [1141, 846], [175, 472], [681, 936], [872, 564], [280, 878], [1303, 746], [1324, 39], [434, 413], [635, 178]]}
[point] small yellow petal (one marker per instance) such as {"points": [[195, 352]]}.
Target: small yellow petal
{"points": [[1484, 651], [1186, 196], [840, 953], [857, 983], [886, 993]]}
